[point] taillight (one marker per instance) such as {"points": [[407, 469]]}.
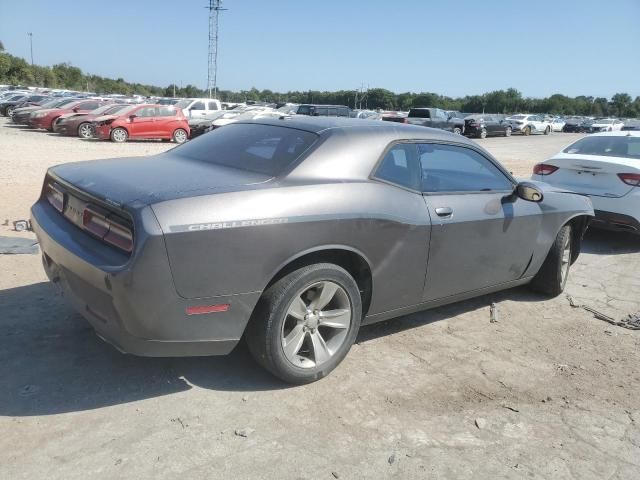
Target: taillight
{"points": [[544, 169], [108, 229], [632, 179], [55, 197]]}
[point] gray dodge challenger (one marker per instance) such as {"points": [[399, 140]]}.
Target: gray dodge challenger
{"points": [[293, 232]]}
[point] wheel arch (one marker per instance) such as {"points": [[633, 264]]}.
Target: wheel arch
{"points": [[349, 258], [579, 224]]}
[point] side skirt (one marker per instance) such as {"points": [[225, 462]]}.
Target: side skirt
{"points": [[379, 317]]}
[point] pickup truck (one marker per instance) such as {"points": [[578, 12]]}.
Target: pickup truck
{"points": [[435, 118]]}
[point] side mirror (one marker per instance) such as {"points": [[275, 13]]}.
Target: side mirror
{"points": [[529, 192], [131, 117], [75, 110]]}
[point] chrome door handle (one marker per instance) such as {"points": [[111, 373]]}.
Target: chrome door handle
{"points": [[444, 211]]}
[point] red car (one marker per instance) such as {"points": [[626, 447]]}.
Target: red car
{"points": [[144, 121], [45, 118]]}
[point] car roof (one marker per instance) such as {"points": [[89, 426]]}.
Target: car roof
{"points": [[331, 125]]}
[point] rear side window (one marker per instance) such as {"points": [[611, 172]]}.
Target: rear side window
{"points": [[400, 166], [448, 168], [608, 146], [264, 149], [419, 113], [167, 112], [88, 106], [212, 105]]}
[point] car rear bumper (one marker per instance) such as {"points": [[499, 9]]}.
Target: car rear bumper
{"points": [[616, 221], [134, 306]]}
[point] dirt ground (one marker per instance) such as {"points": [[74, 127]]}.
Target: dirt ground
{"points": [[546, 392]]}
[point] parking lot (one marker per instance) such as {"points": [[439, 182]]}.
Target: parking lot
{"points": [[547, 391]]}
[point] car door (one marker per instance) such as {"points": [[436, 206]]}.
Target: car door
{"points": [[481, 235], [197, 110], [491, 125], [142, 124], [441, 120]]}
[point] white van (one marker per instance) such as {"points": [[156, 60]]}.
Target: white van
{"points": [[198, 107]]}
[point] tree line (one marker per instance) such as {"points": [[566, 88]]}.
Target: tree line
{"points": [[16, 71]]}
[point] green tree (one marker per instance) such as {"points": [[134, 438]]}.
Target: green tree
{"points": [[622, 104]]}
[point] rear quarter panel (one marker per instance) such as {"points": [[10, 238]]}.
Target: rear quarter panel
{"points": [[236, 242]]}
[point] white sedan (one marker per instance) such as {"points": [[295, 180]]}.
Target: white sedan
{"points": [[606, 167], [605, 125], [529, 124]]}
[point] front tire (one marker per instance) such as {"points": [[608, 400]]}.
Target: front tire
{"points": [[547, 130], [552, 276], [9, 111], [527, 131], [507, 132], [119, 135], [457, 131], [483, 133], [85, 130], [305, 323]]}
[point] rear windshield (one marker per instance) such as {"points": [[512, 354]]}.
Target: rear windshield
{"points": [[419, 113], [609, 146], [264, 149]]}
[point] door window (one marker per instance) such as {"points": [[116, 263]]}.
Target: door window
{"points": [[449, 168], [167, 112], [212, 105], [197, 106], [400, 166]]}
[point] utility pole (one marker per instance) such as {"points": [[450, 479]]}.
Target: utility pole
{"points": [[215, 7], [31, 46]]}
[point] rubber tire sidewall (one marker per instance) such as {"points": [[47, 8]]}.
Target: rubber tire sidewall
{"points": [[508, 132], [548, 280], [265, 327], [119, 141]]}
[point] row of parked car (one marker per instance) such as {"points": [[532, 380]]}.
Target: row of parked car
{"points": [[118, 118]]}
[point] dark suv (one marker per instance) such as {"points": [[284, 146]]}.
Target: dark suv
{"points": [[482, 126]]}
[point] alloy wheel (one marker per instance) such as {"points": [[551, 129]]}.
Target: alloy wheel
{"points": [[316, 324], [85, 130]]}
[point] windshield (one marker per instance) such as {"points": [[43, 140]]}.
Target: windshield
{"points": [[608, 146], [603, 121], [183, 103], [263, 149], [518, 117]]}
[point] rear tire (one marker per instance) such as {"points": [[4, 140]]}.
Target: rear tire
{"points": [[9, 111], [483, 133], [507, 132], [527, 131], [457, 131], [180, 135], [547, 130], [302, 347], [552, 276], [119, 135]]}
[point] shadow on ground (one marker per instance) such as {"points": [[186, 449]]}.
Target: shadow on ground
{"points": [[604, 242], [51, 361]]}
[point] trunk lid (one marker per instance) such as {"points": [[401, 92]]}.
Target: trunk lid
{"points": [[147, 180], [592, 175]]}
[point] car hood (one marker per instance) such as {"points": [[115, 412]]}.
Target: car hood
{"points": [[105, 117], [146, 180], [72, 114]]}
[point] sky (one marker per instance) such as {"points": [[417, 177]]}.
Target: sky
{"points": [[466, 47]]}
